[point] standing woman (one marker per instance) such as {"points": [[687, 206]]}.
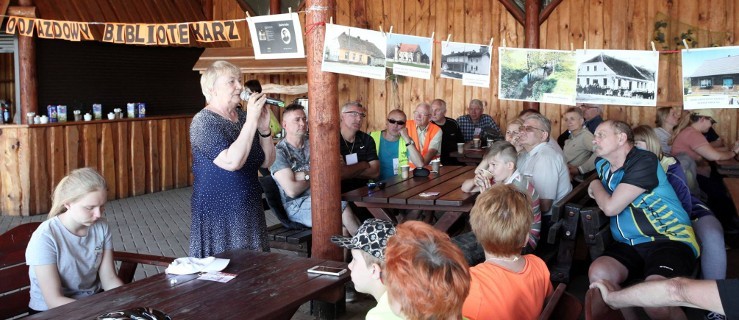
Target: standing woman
{"points": [[70, 255], [667, 119], [578, 148], [228, 147]]}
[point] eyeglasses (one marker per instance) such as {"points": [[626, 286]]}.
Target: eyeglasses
{"points": [[509, 132], [422, 114], [356, 114], [398, 122], [530, 129]]}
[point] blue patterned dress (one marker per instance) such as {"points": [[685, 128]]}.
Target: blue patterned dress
{"points": [[227, 209]]}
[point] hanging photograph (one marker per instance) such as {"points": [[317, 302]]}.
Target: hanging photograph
{"points": [[709, 78], [354, 51], [466, 61], [276, 36], [622, 77], [537, 75], [409, 55]]}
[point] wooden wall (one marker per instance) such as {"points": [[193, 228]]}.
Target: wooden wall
{"points": [[136, 156], [607, 24]]}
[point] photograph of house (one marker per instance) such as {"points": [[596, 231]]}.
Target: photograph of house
{"points": [[354, 51], [625, 77], [537, 75], [709, 77], [409, 55], [464, 58]]}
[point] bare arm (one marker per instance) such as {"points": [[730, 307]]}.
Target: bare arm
{"points": [[701, 294], [287, 179], [349, 171], [545, 204], [108, 277], [613, 204], [372, 171], [413, 154], [50, 285], [266, 142], [235, 156], [708, 152], [429, 156]]}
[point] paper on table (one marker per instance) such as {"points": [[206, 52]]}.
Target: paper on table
{"points": [[429, 194], [190, 265], [218, 276]]}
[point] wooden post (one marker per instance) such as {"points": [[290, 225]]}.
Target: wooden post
{"points": [[275, 7], [26, 63], [207, 9], [324, 135], [531, 29]]}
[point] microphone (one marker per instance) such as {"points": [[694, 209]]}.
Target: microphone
{"points": [[275, 102]]}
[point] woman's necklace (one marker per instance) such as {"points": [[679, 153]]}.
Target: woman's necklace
{"points": [[514, 259]]}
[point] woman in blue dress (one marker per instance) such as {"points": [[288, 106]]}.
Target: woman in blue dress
{"points": [[228, 147]]}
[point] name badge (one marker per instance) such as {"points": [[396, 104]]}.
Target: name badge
{"points": [[396, 164], [351, 159]]}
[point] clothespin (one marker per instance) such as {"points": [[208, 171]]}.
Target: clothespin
{"points": [[448, 38], [382, 31], [391, 29], [653, 48], [331, 21], [572, 47], [502, 43], [585, 46], [685, 43], [491, 42], [247, 14], [290, 10], [432, 36]]}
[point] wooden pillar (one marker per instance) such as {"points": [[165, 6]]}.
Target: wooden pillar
{"points": [[324, 135], [531, 29], [27, 63], [275, 7]]}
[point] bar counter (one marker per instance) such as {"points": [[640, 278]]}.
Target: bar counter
{"points": [[136, 156]]}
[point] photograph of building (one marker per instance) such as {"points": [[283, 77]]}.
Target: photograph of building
{"points": [[354, 51], [626, 77]]}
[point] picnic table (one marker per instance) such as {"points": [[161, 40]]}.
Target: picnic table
{"points": [[729, 168], [267, 286], [438, 192]]}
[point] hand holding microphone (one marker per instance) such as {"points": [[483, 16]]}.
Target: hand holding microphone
{"points": [[253, 86]]}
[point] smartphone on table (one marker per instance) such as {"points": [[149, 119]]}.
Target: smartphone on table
{"points": [[331, 271]]}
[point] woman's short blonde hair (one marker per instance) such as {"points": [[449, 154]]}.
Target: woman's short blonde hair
{"points": [[208, 79], [501, 219], [646, 134], [74, 186]]}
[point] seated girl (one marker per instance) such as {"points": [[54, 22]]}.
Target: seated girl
{"points": [[70, 255]]}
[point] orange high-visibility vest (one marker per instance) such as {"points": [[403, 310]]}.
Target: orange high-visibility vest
{"points": [[431, 131]]}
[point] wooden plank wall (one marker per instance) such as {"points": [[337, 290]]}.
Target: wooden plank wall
{"points": [[608, 24], [135, 157]]}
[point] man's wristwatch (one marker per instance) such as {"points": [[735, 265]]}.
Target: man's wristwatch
{"points": [[306, 177], [410, 143]]}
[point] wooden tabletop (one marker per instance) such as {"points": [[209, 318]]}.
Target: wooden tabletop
{"points": [[728, 167], [267, 286], [438, 192], [471, 156], [732, 184]]}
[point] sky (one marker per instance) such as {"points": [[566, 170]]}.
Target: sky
{"points": [[693, 58]]}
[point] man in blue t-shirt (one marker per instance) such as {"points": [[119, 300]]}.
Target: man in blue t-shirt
{"points": [[654, 237]]}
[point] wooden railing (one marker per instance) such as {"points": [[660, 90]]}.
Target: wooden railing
{"points": [[136, 156]]}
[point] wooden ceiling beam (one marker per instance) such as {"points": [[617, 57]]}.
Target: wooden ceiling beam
{"points": [[517, 13], [544, 15]]}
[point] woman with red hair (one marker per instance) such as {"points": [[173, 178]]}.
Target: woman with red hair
{"points": [[426, 274]]}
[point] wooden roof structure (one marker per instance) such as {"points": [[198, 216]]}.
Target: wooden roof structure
{"points": [[244, 59], [139, 11]]}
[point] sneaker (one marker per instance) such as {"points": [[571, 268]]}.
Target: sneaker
{"points": [[715, 316]]}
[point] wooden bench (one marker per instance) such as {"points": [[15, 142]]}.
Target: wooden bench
{"points": [[561, 305], [294, 240], [14, 287]]}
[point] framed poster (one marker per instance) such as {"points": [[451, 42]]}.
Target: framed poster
{"points": [[710, 77], [276, 36]]}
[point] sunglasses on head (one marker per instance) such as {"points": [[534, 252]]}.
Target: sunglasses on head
{"points": [[398, 122], [696, 117]]}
